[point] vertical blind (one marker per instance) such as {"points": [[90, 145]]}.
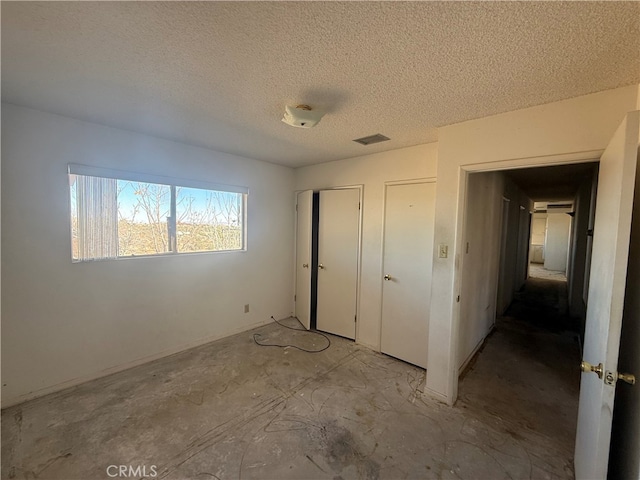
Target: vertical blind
{"points": [[97, 207]]}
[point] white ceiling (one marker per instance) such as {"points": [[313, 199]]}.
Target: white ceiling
{"points": [[219, 74]]}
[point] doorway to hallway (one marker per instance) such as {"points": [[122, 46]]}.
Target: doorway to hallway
{"points": [[526, 378], [606, 254], [526, 373]]}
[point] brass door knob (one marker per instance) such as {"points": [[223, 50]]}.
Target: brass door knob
{"points": [[587, 367], [321, 267], [387, 277], [305, 265]]}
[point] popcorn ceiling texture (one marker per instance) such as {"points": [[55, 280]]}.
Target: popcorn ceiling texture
{"points": [[218, 74]]}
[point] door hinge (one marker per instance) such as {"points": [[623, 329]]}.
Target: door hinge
{"points": [[296, 207], [355, 318], [358, 205], [295, 297]]}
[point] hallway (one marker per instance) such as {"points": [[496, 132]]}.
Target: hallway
{"points": [[527, 377]]}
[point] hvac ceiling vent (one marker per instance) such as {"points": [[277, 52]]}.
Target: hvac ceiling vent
{"points": [[377, 138]]}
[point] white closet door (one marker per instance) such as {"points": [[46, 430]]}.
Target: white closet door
{"points": [[408, 252], [304, 206], [338, 244]]}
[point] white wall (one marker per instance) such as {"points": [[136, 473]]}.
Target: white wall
{"points": [[556, 245], [64, 323], [578, 252], [569, 130], [513, 271], [487, 284], [525, 207], [372, 171], [480, 259]]}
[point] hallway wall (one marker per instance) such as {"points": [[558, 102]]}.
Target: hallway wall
{"points": [[516, 260], [480, 262], [487, 289], [579, 251]]}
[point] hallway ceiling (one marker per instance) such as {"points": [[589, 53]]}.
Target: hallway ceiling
{"points": [[219, 74], [552, 184]]}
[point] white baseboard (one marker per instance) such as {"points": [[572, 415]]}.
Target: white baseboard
{"points": [[475, 350], [437, 395]]}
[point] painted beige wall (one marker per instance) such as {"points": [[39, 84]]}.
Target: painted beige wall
{"points": [[64, 323], [577, 128], [372, 171]]}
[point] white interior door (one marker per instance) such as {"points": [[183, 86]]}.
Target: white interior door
{"points": [[612, 229], [338, 243], [408, 257], [304, 210]]}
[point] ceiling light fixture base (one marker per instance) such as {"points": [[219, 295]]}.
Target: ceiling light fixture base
{"points": [[301, 116]]}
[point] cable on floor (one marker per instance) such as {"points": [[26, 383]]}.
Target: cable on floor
{"points": [[257, 335]]}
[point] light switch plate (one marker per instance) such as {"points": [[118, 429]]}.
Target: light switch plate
{"points": [[443, 250]]}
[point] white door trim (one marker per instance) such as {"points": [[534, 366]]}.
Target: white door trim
{"points": [[463, 173]]}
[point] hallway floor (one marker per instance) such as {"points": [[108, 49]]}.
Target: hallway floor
{"points": [[232, 409]]}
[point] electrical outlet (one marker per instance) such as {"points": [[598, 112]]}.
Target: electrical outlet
{"points": [[443, 250], [246, 308]]}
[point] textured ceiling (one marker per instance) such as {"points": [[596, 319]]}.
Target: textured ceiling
{"points": [[219, 74]]}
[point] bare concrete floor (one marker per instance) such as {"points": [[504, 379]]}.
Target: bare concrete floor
{"points": [[232, 409], [536, 270]]}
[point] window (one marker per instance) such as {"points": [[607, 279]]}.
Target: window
{"points": [[119, 214]]}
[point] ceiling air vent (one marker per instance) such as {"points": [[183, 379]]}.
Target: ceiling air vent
{"points": [[377, 138]]}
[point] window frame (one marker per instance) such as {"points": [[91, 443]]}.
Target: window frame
{"points": [[173, 184]]}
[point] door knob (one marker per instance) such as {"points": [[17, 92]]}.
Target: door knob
{"points": [[305, 265], [587, 367], [387, 277], [321, 267]]}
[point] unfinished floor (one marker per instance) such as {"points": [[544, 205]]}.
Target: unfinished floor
{"points": [[233, 409]]}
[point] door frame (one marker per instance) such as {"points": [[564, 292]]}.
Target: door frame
{"points": [[360, 188], [384, 229], [492, 166]]}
